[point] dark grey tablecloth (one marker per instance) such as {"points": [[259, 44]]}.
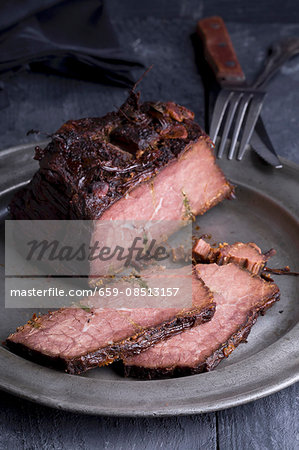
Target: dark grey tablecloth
{"points": [[160, 35]]}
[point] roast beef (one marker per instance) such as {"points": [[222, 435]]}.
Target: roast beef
{"points": [[240, 297], [247, 255], [78, 339], [145, 161]]}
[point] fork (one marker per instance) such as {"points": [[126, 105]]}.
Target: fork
{"points": [[238, 105]]}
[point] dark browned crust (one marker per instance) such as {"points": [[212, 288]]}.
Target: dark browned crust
{"points": [[122, 349], [283, 271], [212, 361], [92, 163]]}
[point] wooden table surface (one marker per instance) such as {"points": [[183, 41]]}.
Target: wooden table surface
{"points": [[160, 34]]}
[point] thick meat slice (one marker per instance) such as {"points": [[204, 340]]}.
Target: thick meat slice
{"points": [[240, 297], [247, 255], [148, 161], [78, 339]]}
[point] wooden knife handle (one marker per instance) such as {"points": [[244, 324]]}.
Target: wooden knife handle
{"points": [[219, 51]]}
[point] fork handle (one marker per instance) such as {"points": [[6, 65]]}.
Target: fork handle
{"points": [[279, 54], [219, 51]]}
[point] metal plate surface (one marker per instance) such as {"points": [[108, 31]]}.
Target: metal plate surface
{"points": [[266, 211]]}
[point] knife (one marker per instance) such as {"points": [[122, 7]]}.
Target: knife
{"points": [[260, 139]]}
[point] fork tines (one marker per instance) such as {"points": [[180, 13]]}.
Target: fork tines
{"points": [[235, 110]]}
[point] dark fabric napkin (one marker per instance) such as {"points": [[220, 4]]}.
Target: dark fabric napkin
{"points": [[72, 37]]}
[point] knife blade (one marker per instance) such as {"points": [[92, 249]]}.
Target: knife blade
{"points": [[224, 74], [262, 145]]}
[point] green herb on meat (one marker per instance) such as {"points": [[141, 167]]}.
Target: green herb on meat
{"points": [[188, 214], [85, 308]]}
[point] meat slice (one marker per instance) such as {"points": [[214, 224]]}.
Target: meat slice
{"points": [[203, 252], [240, 297], [147, 161], [247, 255], [78, 339]]}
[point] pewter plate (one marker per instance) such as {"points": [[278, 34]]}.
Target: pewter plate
{"points": [[266, 211]]}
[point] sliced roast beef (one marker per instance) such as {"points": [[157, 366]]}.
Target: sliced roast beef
{"points": [[78, 339], [247, 255], [240, 297]]}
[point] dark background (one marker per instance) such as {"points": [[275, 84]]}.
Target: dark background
{"points": [[158, 32]]}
